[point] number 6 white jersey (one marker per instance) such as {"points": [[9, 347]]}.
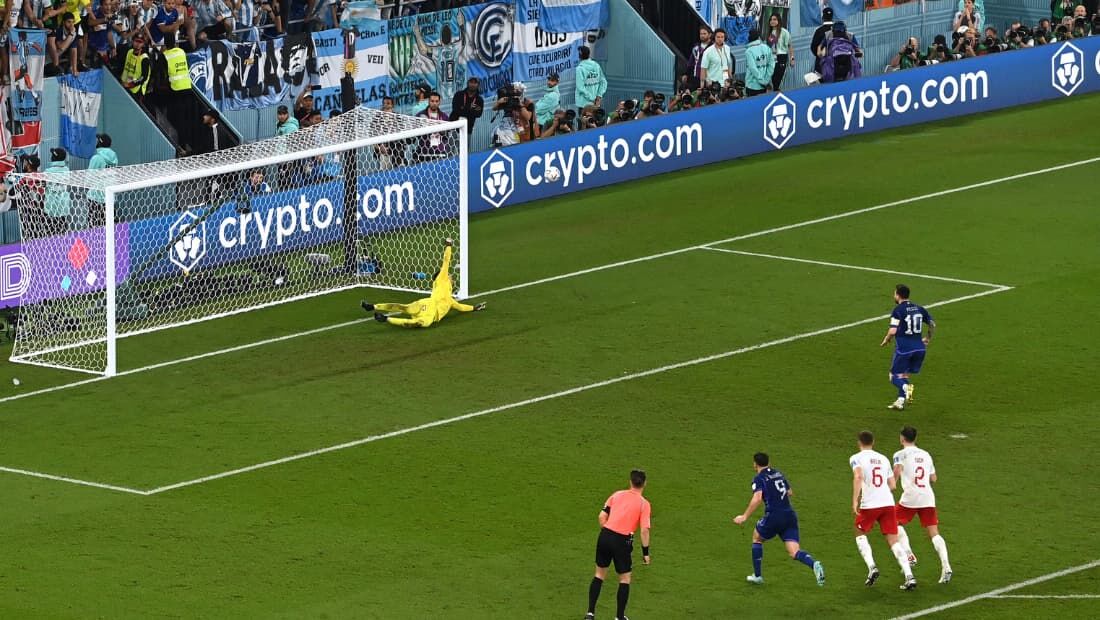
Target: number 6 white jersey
{"points": [[876, 471], [916, 473]]}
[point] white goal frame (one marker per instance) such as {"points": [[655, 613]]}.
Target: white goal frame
{"points": [[111, 192]]}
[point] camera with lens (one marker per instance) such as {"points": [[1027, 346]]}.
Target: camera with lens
{"points": [[627, 110], [570, 117], [656, 105], [908, 51], [509, 98]]}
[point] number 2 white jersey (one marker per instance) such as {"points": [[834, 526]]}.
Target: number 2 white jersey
{"points": [[876, 471], [916, 473]]}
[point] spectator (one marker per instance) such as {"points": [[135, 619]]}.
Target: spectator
{"points": [[136, 69], [126, 25], [29, 192], [549, 103], [591, 83], [818, 39], [255, 184], [908, 56], [100, 40], [388, 154], [468, 104], [168, 20], [759, 65], [696, 69], [261, 15], [303, 106], [65, 42], [779, 40], [212, 137], [314, 118], [968, 17], [213, 20], [286, 125], [839, 55], [433, 146], [422, 93], [147, 13], [718, 65]]}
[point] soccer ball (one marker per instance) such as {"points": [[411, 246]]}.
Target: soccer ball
{"points": [[552, 174]]}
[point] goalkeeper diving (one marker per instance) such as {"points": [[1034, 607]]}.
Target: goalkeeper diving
{"points": [[429, 310]]}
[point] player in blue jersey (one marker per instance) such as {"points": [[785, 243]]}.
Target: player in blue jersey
{"points": [[770, 487], [911, 329]]}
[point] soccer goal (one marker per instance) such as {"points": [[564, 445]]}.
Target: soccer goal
{"points": [[363, 199]]}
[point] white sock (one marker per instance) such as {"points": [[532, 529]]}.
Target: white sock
{"points": [[903, 540], [864, 547], [903, 560], [940, 545]]}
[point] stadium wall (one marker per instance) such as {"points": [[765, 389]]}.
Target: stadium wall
{"points": [[643, 148]]}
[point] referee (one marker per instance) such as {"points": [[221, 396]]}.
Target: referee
{"points": [[622, 514]]}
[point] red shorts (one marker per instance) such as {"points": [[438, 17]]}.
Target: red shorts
{"points": [[868, 517], [928, 516]]}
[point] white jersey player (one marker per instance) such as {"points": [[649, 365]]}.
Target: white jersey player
{"points": [[873, 483], [917, 472]]}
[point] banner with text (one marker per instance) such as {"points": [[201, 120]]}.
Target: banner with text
{"points": [[539, 53], [27, 64], [237, 76], [369, 66], [644, 148]]}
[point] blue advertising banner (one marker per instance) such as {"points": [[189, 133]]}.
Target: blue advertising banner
{"points": [[310, 216], [641, 149]]}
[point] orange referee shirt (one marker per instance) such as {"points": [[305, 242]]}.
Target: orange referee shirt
{"points": [[628, 511]]}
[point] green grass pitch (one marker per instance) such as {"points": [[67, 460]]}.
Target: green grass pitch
{"points": [[495, 516]]}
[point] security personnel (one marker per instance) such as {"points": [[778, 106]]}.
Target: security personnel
{"points": [[179, 74], [135, 73]]}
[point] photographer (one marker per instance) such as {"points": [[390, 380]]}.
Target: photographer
{"points": [[549, 103], [991, 43], [684, 100], [965, 43], [1081, 24], [561, 123], [652, 105], [517, 116], [908, 56], [937, 52], [625, 111]]}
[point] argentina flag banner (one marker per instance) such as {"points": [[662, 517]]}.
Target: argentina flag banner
{"points": [[573, 15], [81, 97]]}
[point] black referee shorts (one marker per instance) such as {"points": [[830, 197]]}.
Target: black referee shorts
{"points": [[612, 546]]}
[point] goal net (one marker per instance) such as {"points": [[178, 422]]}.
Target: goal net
{"points": [[363, 199]]}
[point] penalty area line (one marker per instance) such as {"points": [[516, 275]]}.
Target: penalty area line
{"points": [[77, 481], [994, 594], [547, 397]]}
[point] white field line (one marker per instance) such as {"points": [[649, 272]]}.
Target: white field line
{"points": [[183, 360], [999, 591], [86, 483], [1051, 596], [820, 220], [856, 267], [551, 396], [572, 274]]}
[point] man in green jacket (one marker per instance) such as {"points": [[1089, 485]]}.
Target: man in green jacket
{"points": [[759, 65], [549, 102], [591, 83]]}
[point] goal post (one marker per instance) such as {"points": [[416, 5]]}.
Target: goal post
{"points": [[363, 199]]}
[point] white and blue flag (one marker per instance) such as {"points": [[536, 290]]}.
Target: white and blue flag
{"points": [[538, 52], [844, 9], [573, 15], [81, 97]]}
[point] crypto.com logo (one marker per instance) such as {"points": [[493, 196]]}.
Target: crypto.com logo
{"points": [[1067, 68], [497, 178], [188, 237], [779, 121]]}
